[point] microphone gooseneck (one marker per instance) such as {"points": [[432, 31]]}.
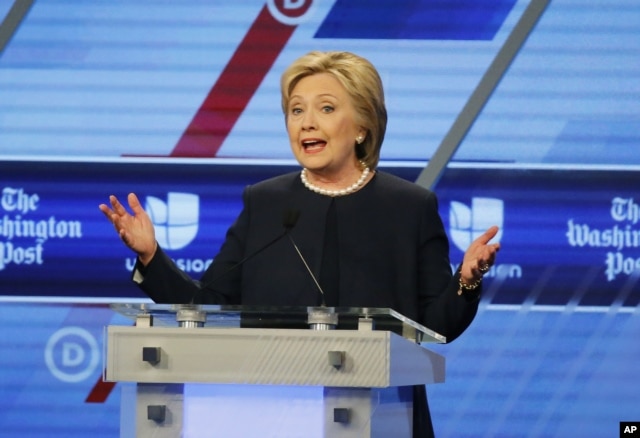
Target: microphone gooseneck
{"points": [[289, 220], [306, 265]]}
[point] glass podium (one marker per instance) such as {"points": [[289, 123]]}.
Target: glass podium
{"points": [[207, 370]]}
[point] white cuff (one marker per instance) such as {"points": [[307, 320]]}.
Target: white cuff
{"points": [[137, 276]]}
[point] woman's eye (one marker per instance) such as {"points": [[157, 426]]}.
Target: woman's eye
{"points": [[296, 111], [327, 109]]}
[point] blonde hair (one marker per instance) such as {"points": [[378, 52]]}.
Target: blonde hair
{"points": [[363, 85]]}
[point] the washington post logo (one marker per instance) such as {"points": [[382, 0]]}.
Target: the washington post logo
{"points": [[630, 428]]}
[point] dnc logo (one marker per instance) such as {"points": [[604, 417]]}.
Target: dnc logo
{"points": [[468, 223], [176, 221]]}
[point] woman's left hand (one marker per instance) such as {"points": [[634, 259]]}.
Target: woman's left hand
{"points": [[479, 257]]}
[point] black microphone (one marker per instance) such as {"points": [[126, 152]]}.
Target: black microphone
{"points": [[306, 265], [289, 220]]}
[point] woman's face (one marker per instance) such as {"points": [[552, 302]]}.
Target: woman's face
{"points": [[321, 123]]}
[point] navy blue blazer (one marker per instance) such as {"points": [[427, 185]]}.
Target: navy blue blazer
{"points": [[393, 253]]}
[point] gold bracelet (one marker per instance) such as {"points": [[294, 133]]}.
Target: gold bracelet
{"points": [[464, 287]]}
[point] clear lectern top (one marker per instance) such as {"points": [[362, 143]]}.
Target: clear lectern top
{"points": [[317, 318]]}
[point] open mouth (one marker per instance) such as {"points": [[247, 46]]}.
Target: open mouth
{"points": [[313, 145]]}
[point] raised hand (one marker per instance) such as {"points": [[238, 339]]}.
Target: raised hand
{"points": [[136, 231], [479, 257]]}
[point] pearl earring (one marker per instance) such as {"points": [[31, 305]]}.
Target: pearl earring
{"points": [[359, 139]]}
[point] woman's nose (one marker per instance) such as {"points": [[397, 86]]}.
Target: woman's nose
{"points": [[308, 120]]}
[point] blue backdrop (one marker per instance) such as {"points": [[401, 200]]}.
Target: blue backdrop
{"points": [[106, 97]]}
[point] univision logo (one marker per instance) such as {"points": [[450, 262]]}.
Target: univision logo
{"points": [[175, 221], [467, 223]]}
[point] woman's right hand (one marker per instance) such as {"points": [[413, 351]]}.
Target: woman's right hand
{"points": [[136, 231]]}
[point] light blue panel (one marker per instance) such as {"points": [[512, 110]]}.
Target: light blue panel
{"points": [[531, 372]]}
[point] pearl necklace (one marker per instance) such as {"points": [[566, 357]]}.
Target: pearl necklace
{"points": [[352, 188]]}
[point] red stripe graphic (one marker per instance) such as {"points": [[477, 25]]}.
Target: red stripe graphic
{"points": [[236, 85], [223, 106], [100, 391]]}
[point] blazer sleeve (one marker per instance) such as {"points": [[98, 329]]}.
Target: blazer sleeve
{"points": [[164, 282], [441, 308]]}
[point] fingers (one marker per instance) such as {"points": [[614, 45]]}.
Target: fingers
{"points": [[486, 252], [135, 230], [479, 268], [114, 214], [488, 235], [109, 213], [482, 267], [481, 255], [106, 211], [487, 257], [134, 203], [117, 207]]}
